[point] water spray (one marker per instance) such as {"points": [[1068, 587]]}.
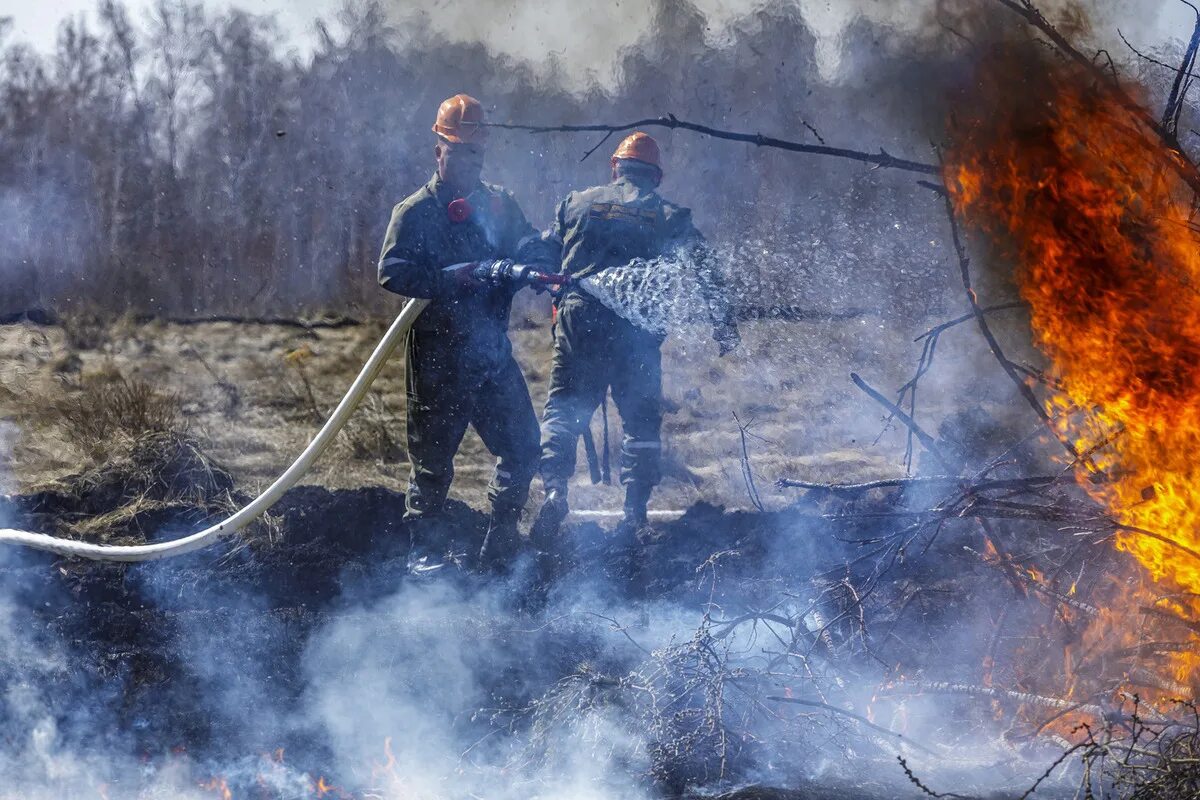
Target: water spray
{"points": [[490, 272], [659, 295]]}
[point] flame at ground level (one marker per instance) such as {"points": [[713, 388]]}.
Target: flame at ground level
{"points": [[1086, 200]]}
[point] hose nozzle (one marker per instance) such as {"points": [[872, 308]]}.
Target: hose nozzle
{"points": [[507, 271]]}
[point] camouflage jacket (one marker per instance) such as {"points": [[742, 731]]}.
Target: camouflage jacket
{"points": [[422, 240]]}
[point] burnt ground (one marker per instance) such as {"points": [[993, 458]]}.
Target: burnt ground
{"points": [[211, 654], [126, 638]]}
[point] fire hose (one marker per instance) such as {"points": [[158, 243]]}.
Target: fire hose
{"points": [[489, 272]]}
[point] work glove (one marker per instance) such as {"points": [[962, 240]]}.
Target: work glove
{"points": [[509, 274], [728, 338], [494, 273]]}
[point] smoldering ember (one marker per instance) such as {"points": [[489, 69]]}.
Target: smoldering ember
{"points": [[685, 399]]}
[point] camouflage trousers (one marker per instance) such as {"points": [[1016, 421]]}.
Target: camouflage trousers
{"points": [[595, 350]]}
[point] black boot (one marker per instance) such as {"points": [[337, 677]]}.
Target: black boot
{"points": [[427, 554], [635, 524], [502, 543], [544, 531], [634, 546]]}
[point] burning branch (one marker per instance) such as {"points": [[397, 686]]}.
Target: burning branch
{"points": [[994, 693], [1180, 162]]}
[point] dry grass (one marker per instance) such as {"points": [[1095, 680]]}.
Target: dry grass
{"points": [[86, 329], [254, 395], [375, 431], [108, 407], [146, 482]]}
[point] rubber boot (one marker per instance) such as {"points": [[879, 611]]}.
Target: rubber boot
{"points": [[632, 536], [635, 524], [546, 525], [427, 553], [502, 543]]}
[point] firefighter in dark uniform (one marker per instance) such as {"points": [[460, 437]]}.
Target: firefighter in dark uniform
{"points": [[595, 349], [459, 367]]}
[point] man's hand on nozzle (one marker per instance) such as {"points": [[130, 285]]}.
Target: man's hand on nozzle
{"points": [[728, 338], [494, 273], [506, 272], [474, 276]]}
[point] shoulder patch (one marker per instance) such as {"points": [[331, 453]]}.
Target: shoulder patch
{"points": [[622, 213]]}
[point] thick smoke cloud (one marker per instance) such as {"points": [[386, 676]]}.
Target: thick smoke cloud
{"points": [[548, 36]]}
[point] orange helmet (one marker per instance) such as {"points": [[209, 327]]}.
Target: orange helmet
{"points": [[460, 120], [639, 147]]}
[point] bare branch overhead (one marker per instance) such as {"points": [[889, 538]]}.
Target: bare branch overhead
{"points": [[670, 121]]}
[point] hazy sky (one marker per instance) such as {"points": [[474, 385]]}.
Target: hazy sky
{"points": [[587, 38]]}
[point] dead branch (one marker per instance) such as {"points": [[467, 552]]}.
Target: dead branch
{"points": [[857, 717], [1152, 59], [993, 693], [924, 438], [917, 782], [747, 471], [670, 121], [1057, 762], [945, 326], [1034, 482], [1183, 81], [964, 264]]}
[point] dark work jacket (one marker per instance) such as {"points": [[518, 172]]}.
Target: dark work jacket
{"points": [[611, 225], [469, 326], [620, 222]]}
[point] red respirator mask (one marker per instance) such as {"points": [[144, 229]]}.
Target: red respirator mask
{"points": [[461, 210]]}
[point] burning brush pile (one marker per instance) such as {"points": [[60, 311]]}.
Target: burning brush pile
{"points": [[1072, 184]]}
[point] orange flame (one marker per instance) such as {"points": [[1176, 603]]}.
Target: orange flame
{"points": [[1086, 200], [219, 787], [388, 767]]}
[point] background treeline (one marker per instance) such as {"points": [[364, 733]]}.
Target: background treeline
{"points": [[187, 162]]}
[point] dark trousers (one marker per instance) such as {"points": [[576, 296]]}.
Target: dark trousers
{"points": [[445, 395], [594, 349]]}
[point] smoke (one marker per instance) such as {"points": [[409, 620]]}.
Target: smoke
{"points": [[546, 36], [392, 683]]}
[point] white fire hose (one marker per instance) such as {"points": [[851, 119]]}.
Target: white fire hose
{"points": [[259, 505]]}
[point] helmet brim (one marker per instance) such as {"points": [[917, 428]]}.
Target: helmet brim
{"points": [[469, 133]]}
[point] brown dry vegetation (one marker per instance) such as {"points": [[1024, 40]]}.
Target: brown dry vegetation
{"points": [[251, 395]]}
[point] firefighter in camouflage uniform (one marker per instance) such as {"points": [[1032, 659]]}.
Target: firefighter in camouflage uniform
{"points": [[459, 367], [595, 349]]}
